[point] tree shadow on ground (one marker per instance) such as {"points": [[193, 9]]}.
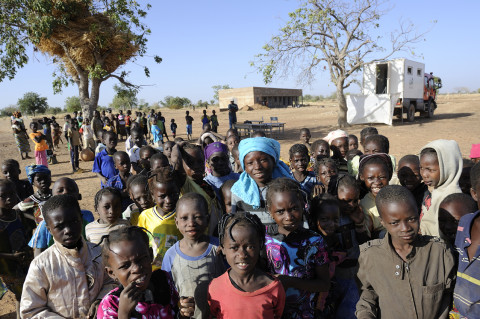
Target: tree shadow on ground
{"points": [[437, 117]]}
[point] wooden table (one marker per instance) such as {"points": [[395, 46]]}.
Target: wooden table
{"points": [[249, 129]]}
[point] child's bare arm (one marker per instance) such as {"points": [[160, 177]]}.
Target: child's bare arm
{"points": [[321, 282], [102, 178]]}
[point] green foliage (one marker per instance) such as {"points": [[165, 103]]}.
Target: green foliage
{"points": [[8, 111], [216, 88], [73, 104], [200, 104], [32, 103], [54, 110], [126, 97], [175, 102]]}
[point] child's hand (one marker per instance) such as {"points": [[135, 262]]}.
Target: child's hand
{"points": [[318, 190], [20, 256], [187, 306], [129, 299], [357, 216]]}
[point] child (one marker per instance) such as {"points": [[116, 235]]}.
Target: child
{"points": [[167, 149], [189, 121], [11, 171], [67, 278], [100, 146], [374, 144], [158, 160], [205, 118], [466, 297], [194, 261], [145, 153], [40, 145], [66, 127], [88, 140], [160, 219], [475, 153], [108, 206], [40, 177], [326, 174], [231, 142], [464, 181], [214, 121], [260, 159], [15, 255], [338, 141], [237, 166], [440, 167], [375, 171], [451, 210], [57, 135], [299, 160], [142, 293], [226, 191], [397, 274], [305, 137], [319, 149], [173, 128], [161, 125], [136, 138], [122, 164], [410, 177], [103, 164], [297, 256], [218, 168], [157, 135], [74, 137], [244, 291], [352, 142], [366, 132], [137, 186]]}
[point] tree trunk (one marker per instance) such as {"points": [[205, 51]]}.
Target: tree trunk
{"points": [[89, 102], [342, 106]]}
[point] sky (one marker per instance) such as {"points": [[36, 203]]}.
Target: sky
{"points": [[212, 42]]}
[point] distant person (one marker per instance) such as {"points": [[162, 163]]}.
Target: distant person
{"points": [[189, 121], [232, 113], [173, 128], [305, 137], [214, 121]]}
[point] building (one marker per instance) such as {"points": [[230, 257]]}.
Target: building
{"points": [[270, 97]]}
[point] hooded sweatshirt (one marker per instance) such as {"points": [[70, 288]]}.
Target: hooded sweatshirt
{"points": [[451, 165]]}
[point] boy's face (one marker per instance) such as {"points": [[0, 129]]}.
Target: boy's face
{"points": [[305, 137], [286, 210], [326, 172], [322, 150], [167, 150], [64, 186], [401, 221], [109, 208], [42, 181], [65, 225], [299, 162], [122, 163], [141, 197], [449, 215], [328, 220], [136, 138], [352, 143], [165, 196], [339, 147], [372, 147], [11, 172], [227, 199], [430, 170], [191, 219], [231, 142], [348, 197], [110, 141], [194, 164], [8, 197], [409, 175], [159, 162]]}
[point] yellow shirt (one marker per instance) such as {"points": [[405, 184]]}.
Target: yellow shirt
{"points": [[372, 217], [163, 232], [42, 146]]}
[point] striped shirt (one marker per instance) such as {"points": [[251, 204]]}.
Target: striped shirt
{"points": [[95, 230]]}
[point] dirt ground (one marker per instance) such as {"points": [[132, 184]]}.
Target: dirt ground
{"points": [[457, 117]]}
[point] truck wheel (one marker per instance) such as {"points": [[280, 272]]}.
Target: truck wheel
{"points": [[431, 109], [411, 113]]}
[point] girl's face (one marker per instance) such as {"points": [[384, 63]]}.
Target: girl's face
{"points": [[194, 164], [409, 175], [232, 140], [219, 164], [141, 197], [243, 252], [339, 147], [375, 177], [8, 197], [430, 170], [328, 220], [259, 166], [110, 141], [352, 143], [42, 182], [109, 208], [326, 172], [372, 147], [299, 162], [191, 219], [165, 196], [10, 172], [322, 150], [286, 208], [129, 262], [348, 197]]}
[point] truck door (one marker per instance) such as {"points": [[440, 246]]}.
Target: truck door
{"points": [[426, 90]]}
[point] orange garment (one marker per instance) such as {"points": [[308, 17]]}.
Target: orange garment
{"points": [[42, 146]]}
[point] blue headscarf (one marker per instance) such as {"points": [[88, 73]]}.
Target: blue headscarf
{"points": [[31, 170], [246, 188]]}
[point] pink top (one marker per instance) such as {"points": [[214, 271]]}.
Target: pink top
{"points": [[226, 301]]}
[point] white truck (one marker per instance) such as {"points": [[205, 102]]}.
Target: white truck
{"points": [[394, 87]]}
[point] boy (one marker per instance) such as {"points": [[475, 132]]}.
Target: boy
{"points": [[467, 290], [74, 137], [157, 136], [305, 137], [122, 164], [451, 210], [189, 121], [167, 149], [173, 128], [136, 137], [67, 278], [100, 146], [103, 164], [146, 152], [11, 171], [398, 278], [352, 142], [409, 177], [41, 146]]}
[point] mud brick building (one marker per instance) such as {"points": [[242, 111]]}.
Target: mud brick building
{"points": [[270, 97]]}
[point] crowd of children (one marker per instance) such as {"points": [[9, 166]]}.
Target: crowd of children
{"points": [[224, 228]]}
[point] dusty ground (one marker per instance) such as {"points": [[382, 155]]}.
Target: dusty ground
{"points": [[457, 117]]}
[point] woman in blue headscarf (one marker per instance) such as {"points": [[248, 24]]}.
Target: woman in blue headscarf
{"points": [[260, 160]]}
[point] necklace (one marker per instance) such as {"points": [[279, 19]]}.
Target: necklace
{"points": [[42, 197]]}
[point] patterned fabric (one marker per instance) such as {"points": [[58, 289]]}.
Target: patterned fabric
{"points": [[296, 255], [31, 170], [35, 205], [308, 183], [95, 230]]}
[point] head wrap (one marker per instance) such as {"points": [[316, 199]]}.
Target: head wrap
{"points": [[334, 135], [475, 151], [31, 170], [214, 148], [382, 156], [246, 188]]}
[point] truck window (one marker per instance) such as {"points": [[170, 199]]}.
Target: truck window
{"points": [[419, 72], [409, 70], [426, 81]]}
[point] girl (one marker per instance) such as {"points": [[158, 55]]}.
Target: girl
{"points": [[88, 140], [327, 174], [137, 187], [218, 166], [20, 134], [108, 205], [299, 164], [15, 255], [232, 141], [214, 120], [41, 146], [259, 157], [244, 291], [194, 260], [297, 255], [375, 171], [338, 141], [142, 293], [160, 219], [205, 118]]}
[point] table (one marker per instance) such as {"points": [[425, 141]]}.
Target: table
{"points": [[268, 128]]}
